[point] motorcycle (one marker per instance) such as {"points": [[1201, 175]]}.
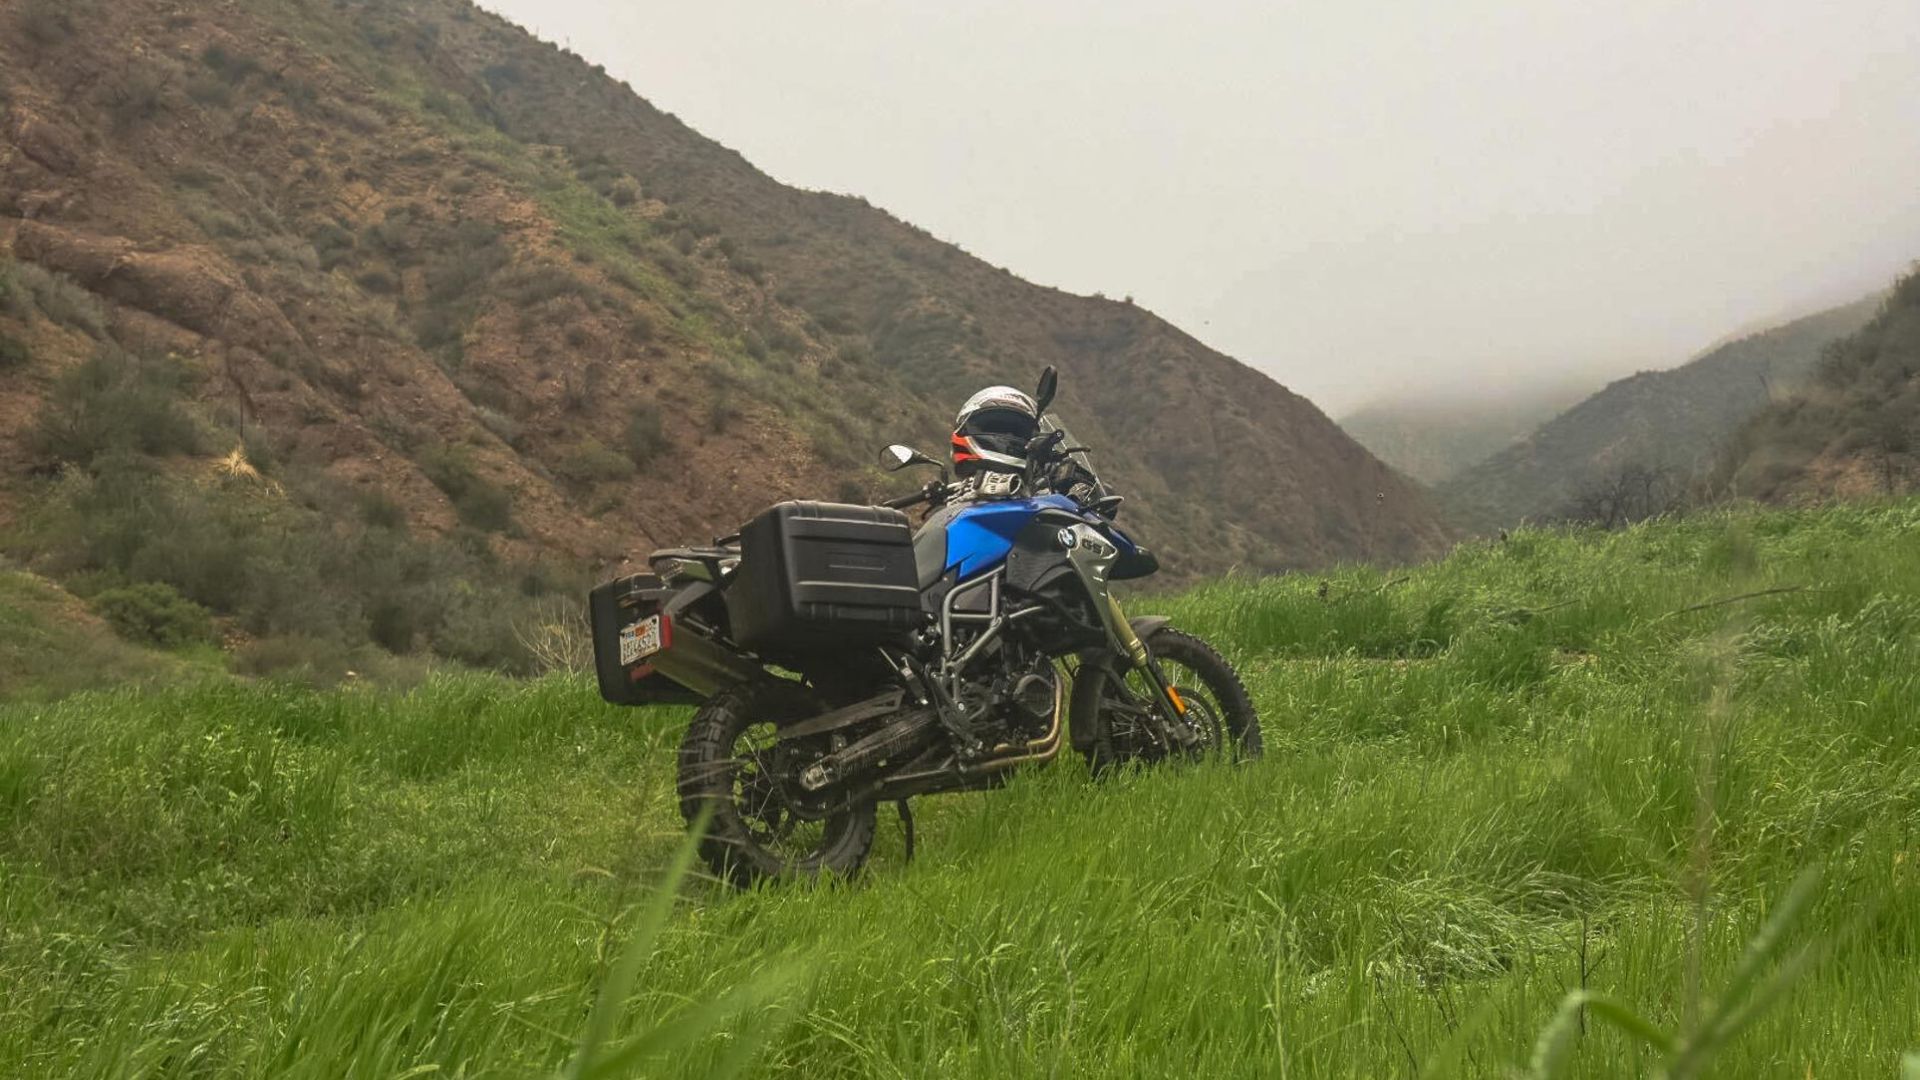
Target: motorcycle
{"points": [[840, 659]]}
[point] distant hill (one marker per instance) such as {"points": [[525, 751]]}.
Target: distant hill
{"points": [[1673, 423], [1853, 428], [1433, 439]]}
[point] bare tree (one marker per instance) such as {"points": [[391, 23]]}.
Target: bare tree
{"points": [[1627, 494]]}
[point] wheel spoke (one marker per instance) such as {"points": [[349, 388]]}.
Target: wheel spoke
{"points": [[1132, 709], [761, 801]]}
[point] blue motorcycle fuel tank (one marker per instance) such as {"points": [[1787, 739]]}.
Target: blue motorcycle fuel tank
{"points": [[980, 535]]}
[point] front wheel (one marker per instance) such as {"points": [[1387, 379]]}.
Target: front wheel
{"points": [[733, 765], [1120, 705]]}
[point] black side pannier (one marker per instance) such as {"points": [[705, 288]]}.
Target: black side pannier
{"points": [[615, 609], [819, 578]]}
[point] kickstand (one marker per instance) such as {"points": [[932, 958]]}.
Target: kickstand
{"points": [[906, 825]]}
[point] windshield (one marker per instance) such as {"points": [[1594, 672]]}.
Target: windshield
{"points": [[1083, 465]]}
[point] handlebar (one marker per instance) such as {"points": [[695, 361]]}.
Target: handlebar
{"points": [[934, 489]]}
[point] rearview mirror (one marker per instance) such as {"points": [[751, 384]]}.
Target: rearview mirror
{"points": [[1049, 382], [897, 457]]}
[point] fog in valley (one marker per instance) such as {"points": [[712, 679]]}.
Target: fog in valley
{"points": [[1365, 200]]}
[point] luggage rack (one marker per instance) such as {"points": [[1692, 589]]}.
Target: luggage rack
{"points": [[713, 562]]}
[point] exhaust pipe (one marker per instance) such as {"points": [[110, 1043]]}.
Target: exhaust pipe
{"points": [[905, 736]]}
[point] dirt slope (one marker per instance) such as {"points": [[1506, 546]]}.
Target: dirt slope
{"points": [[413, 250]]}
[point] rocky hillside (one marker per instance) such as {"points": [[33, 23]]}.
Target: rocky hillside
{"points": [[1433, 438], [1663, 428], [1854, 429], [400, 265]]}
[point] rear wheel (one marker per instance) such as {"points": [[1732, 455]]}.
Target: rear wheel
{"points": [[1126, 727], [733, 765]]}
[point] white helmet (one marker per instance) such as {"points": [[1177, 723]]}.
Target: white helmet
{"points": [[992, 430]]}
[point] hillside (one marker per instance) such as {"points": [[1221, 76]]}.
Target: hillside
{"points": [[1570, 760], [1854, 429], [1665, 428], [1434, 437], [401, 287], [51, 645]]}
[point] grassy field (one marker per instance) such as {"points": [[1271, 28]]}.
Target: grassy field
{"points": [[1565, 761]]}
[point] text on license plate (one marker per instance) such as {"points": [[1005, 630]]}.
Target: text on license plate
{"points": [[639, 641]]}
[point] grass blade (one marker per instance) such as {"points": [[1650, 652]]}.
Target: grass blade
{"points": [[695, 1023], [626, 971], [1550, 1051]]}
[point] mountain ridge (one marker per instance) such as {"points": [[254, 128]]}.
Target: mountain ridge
{"points": [[417, 251], [1673, 422]]}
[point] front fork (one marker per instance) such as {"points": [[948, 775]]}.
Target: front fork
{"points": [[1172, 710]]}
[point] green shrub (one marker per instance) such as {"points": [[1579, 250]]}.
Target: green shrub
{"points": [[446, 106], [47, 22], [154, 613], [379, 510], [531, 286], [221, 223], [480, 504], [487, 508], [196, 178], [276, 251], [645, 436], [589, 462], [134, 95], [748, 267], [437, 328], [58, 298], [623, 192], [721, 414], [394, 236], [233, 67], [13, 352], [209, 91], [301, 96], [500, 76], [307, 579], [378, 282], [480, 631], [503, 427], [110, 402], [333, 244], [292, 658]]}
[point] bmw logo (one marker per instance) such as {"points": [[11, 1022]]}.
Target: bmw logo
{"points": [[1066, 539]]}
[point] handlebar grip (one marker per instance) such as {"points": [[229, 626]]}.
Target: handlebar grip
{"points": [[905, 501]]}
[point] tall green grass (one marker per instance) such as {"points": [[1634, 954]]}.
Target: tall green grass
{"points": [[1522, 810]]}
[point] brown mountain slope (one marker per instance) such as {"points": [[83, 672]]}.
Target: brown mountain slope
{"points": [[1198, 437], [1854, 428], [405, 249]]}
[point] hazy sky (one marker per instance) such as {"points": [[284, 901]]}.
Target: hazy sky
{"points": [[1361, 198]]}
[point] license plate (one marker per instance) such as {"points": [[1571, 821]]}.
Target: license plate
{"points": [[639, 641]]}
